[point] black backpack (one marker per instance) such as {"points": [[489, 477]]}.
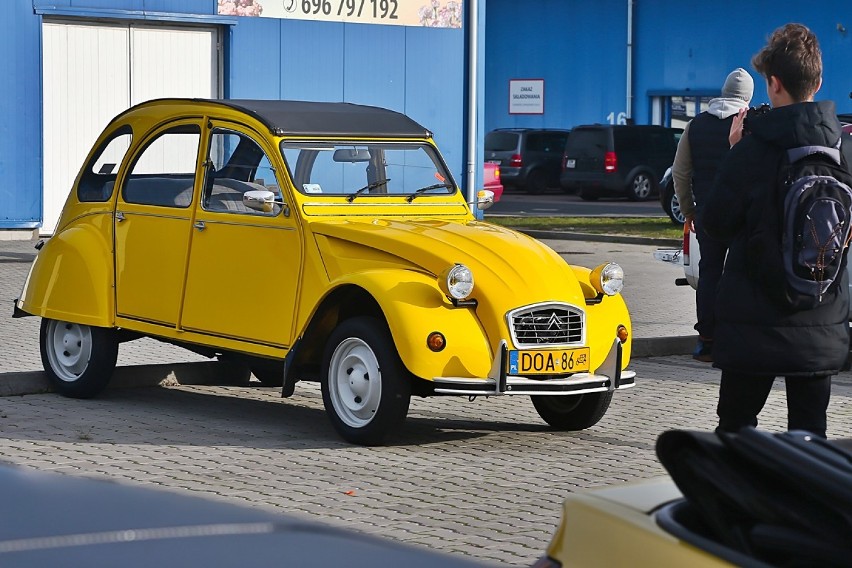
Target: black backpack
{"points": [[813, 212]]}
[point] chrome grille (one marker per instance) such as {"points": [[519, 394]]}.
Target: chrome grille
{"points": [[546, 324]]}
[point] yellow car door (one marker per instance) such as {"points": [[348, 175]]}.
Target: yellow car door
{"points": [[245, 264], [153, 218]]}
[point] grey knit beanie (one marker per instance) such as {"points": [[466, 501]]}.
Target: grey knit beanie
{"points": [[738, 85]]}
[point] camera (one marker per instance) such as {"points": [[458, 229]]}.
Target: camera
{"points": [[753, 112]]}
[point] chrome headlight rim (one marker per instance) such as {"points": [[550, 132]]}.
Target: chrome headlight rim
{"points": [[608, 279], [456, 282]]}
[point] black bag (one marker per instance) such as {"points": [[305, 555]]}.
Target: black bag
{"points": [[813, 208], [784, 499]]}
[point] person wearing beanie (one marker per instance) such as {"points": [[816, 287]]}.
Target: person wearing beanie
{"points": [[700, 151]]}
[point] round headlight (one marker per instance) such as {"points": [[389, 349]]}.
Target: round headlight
{"points": [[608, 279], [456, 281]]}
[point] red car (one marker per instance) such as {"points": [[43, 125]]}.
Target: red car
{"points": [[491, 179]]}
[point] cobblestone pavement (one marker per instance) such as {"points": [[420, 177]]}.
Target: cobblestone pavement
{"points": [[483, 479]]}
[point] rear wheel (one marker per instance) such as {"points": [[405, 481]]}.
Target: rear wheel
{"points": [[536, 182], [640, 187], [79, 359], [572, 412], [365, 387]]}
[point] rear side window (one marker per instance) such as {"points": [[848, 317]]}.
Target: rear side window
{"points": [[630, 140], [546, 142], [586, 142], [501, 141], [98, 178]]}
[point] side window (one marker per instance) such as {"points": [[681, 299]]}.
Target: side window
{"points": [[164, 174], [536, 142], [98, 178], [237, 164]]}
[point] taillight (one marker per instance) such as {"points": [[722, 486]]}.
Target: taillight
{"points": [[610, 162], [496, 174], [515, 161], [686, 244]]}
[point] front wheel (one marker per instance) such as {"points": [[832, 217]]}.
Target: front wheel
{"points": [[572, 412], [79, 359], [365, 387]]}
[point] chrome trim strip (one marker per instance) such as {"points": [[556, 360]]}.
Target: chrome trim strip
{"points": [[583, 383]]}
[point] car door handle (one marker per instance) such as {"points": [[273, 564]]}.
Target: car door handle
{"points": [[199, 225], [119, 216]]}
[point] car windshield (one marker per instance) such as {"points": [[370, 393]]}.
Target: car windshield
{"points": [[361, 169]]}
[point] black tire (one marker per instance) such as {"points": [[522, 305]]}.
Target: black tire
{"points": [[640, 187], [572, 412], [588, 195], [365, 387], [79, 359], [269, 373], [536, 182]]}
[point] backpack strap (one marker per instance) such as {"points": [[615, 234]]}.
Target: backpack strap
{"points": [[796, 154]]}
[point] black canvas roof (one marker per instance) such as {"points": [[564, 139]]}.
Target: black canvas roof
{"points": [[294, 118]]}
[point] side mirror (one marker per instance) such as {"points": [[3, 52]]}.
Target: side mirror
{"points": [[484, 199], [259, 200]]}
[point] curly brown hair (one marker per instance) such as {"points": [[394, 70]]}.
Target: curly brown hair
{"points": [[792, 54]]}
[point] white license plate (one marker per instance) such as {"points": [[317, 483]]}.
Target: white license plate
{"points": [[570, 163], [551, 362]]}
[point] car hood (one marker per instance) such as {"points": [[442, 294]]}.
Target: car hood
{"points": [[503, 261]]}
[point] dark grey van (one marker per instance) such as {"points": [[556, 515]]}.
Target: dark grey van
{"points": [[529, 158], [617, 160]]}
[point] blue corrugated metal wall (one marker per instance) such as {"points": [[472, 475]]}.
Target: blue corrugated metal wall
{"points": [[20, 116], [580, 49], [416, 71], [411, 70], [679, 46]]}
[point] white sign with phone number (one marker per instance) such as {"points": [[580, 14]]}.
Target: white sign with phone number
{"points": [[421, 13]]}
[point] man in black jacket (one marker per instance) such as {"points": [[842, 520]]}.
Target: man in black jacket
{"points": [[756, 339], [700, 151]]}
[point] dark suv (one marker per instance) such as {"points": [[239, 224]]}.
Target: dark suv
{"points": [[530, 158], [617, 160]]}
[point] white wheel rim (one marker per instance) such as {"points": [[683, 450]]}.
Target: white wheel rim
{"points": [[69, 348], [354, 382], [642, 186], [676, 212]]}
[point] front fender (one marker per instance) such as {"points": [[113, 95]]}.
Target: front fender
{"points": [[414, 307], [71, 278]]}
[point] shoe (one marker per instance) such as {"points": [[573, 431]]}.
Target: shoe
{"points": [[703, 351]]}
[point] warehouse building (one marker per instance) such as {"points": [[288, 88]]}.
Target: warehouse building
{"points": [[459, 67]]}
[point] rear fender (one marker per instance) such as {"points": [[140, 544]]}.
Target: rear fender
{"points": [[72, 278]]}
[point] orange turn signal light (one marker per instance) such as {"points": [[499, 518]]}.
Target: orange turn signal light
{"points": [[436, 341], [621, 333]]}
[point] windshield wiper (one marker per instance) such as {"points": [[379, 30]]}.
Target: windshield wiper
{"points": [[411, 197], [368, 187]]}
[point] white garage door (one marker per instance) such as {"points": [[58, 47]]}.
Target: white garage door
{"points": [[93, 72]]}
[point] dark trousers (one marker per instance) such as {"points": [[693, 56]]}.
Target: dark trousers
{"points": [[709, 273], [741, 398]]}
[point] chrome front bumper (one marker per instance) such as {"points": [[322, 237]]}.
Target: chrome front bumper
{"points": [[607, 377]]}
